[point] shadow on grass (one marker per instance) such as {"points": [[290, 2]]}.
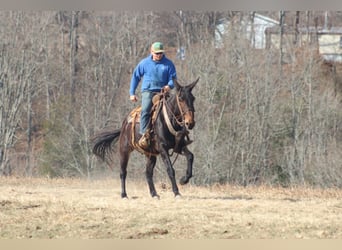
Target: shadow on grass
{"points": [[236, 197]]}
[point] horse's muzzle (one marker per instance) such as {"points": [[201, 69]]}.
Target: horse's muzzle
{"points": [[190, 125], [189, 120]]}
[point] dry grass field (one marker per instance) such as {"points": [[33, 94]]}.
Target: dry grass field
{"points": [[83, 209]]}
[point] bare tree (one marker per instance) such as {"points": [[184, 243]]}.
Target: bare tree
{"points": [[281, 46], [14, 77]]}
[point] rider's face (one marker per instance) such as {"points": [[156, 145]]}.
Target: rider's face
{"points": [[157, 56]]}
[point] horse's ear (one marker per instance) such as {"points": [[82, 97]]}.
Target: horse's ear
{"points": [[176, 83], [192, 85]]}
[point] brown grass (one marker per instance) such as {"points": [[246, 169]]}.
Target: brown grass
{"points": [[67, 208]]}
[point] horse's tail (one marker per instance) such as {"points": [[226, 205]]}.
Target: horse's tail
{"points": [[103, 141]]}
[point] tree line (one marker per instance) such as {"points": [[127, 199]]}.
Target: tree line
{"points": [[65, 76]]}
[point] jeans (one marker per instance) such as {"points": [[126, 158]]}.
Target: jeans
{"points": [[146, 105]]}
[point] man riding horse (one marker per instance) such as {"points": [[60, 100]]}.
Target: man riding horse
{"points": [[168, 129], [158, 73]]}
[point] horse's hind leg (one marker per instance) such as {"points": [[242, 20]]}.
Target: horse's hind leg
{"points": [[190, 159], [124, 156], [151, 162]]}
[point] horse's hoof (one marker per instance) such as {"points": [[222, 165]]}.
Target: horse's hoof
{"points": [[156, 197], [184, 180], [178, 196]]}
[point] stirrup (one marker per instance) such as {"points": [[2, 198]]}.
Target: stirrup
{"points": [[144, 141]]}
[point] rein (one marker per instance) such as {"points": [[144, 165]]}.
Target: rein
{"points": [[165, 108], [167, 118]]}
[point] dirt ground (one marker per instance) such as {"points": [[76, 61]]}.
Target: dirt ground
{"points": [[84, 209]]}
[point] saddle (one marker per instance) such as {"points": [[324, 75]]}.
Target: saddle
{"points": [[134, 118], [134, 115]]}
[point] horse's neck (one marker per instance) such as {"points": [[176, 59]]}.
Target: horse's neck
{"points": [[172, 110], [171, 102]]}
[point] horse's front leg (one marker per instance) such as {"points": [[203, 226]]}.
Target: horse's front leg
{"points": [[190, 159], [170, 171], [151, 162]]}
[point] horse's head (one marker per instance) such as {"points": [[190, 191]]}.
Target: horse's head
{"points": [[186, 103]]}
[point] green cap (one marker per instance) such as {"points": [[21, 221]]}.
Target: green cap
{"points": [[157, 47]]}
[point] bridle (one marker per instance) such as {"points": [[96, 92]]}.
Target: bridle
{"points": [[183, 112], [181, 123]]}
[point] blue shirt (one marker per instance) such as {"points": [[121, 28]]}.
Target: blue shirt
{"points": [[156, 75]]}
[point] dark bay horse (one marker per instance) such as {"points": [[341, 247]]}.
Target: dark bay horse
{"points": [[172, 118]]}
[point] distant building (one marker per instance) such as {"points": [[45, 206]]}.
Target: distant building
{"points": [[253, 28], [330, 44], [264, 33], [329, 41]]}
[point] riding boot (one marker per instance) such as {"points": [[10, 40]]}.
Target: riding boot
{"points": [[144, 141]]}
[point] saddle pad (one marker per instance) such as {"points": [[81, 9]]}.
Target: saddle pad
{"points": [[134, 115]]}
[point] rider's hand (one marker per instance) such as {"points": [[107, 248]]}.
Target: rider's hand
{"points": [[166, 88], [133, 98]]}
